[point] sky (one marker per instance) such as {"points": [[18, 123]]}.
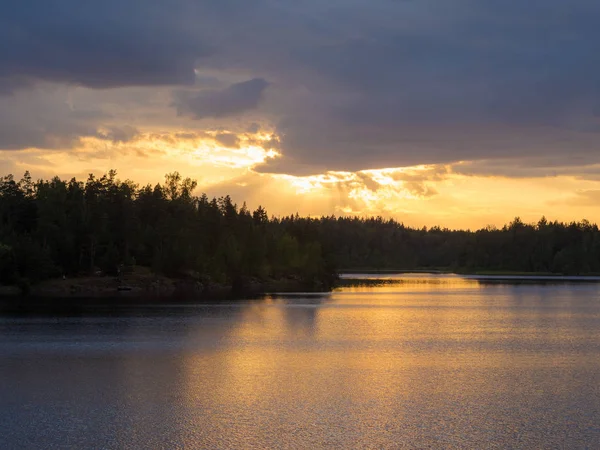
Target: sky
{"points": [[461, 114]]}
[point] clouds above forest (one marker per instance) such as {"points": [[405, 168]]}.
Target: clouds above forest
{"points": [[233, 100], [346, 85]]}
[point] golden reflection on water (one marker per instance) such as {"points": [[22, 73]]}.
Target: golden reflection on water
{"points": [[419, 363], [443, 362], [393, 282]]}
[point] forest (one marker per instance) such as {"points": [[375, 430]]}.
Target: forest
{"points": [[56, 228]]}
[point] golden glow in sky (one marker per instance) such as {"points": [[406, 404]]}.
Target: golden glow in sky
{"points": [[488, 126], [226, 163]]}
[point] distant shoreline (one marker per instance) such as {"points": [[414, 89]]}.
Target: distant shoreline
{"points": [[371, 271], [370, 278]]}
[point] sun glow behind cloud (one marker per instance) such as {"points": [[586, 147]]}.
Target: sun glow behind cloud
{"points": [[247, 152], [527, 133], [440, 195], [148, 156], [371, 187], [223, 162]]}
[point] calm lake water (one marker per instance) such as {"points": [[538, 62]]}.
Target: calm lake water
{"points": [[432, 362]]}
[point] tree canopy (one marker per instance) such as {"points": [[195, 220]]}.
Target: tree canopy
{"points": [[51, 228], [542, 247], [56, 227]]}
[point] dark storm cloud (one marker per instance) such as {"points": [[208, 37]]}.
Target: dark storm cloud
{"points": [[356, 84], [97, 44], [233, 100], [485, 80]]}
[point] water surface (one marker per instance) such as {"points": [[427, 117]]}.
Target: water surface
{"points": [[434, 361]]}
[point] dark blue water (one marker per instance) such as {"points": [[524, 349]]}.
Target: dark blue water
{"points": [[433, 362]]}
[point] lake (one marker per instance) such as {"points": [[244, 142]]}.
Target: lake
{"points": [[425, 361]]}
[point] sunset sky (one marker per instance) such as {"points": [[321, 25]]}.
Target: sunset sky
{"points": [[461, 113]]}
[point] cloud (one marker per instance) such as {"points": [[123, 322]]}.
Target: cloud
{"points": [[583, 168], [99, 45], [439, 84], [589, 197], [228, 140], [353, 85], [118, 133], [52, 117], [233, 100], [40, 119]]}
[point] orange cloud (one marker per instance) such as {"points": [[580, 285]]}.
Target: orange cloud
{"points": [[417, 195]]}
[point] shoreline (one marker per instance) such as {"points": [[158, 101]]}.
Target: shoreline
{"points": [[481, 273], [152, 288], [161, 289]]}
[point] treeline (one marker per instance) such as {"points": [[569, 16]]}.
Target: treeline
{"points": [[544, 247], [54, 228], [104, 226]]}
